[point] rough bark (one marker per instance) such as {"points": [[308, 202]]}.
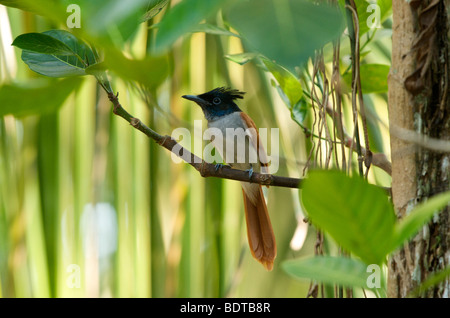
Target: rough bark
{"points": [[419, 100]]}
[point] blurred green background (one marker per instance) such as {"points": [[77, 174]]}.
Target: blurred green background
{"points": [[90, 207]]}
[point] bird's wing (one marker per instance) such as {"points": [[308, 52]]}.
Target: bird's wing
{"points": [[254, 137]]}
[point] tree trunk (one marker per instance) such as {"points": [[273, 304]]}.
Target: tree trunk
{"points": [[419, 101]]}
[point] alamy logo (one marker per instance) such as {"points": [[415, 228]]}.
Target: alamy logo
{"points": [[74, 19], [374, 279], [74, 278], [373, 20]]}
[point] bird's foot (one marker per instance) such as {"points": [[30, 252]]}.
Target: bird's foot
{"points": [[221, 165], [250, 172]]}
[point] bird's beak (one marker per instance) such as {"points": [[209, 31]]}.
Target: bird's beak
{"points": [[196, 99]]}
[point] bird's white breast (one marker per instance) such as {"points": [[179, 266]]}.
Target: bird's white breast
{"points": [[239, 151], [232, 120], [228, 148]]}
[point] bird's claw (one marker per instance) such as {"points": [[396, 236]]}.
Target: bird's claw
{"points": [[221, 165], [250, 172]]}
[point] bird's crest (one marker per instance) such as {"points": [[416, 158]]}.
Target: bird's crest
{"points": [[232, 93]]}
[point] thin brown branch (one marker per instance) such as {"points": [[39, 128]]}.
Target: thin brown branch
{"points": [[204, 168], [357, 78], [379, 160], [337, 106], [355, 63]]}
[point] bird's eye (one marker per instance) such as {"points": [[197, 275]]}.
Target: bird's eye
{"points": [[216, 101]]}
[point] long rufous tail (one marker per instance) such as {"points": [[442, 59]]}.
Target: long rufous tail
{"points": [[259, 229]]}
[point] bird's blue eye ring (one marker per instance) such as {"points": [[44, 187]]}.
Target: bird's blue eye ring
{"points": [[216, 101]]}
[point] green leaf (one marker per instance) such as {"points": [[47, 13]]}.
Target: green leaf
{"points": [[111, 21], [42, 43], [53, 10], [35, 6], [289, 84], [356, 214], [421, 214], [344, 271], [183, 18], [212, 29], [386, 7], [96, 69], [373, 78], [36, 97], [19, 4], [156, 7], [150, 71], [57, 65], [431, 281], [241, 58], [299, 111], [363, 16], [114, 19], [286, 31]]}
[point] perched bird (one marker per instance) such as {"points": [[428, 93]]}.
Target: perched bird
{"points": [[222, 113]]}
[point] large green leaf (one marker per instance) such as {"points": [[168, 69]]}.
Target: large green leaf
{"points": [[330, 270], [359, 216], [36, 97], [356, 214], [42, 43], [80, 60], [183, 18], [70, 55], [286, 31]]}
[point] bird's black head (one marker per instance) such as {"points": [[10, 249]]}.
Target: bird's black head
{"points": [[218, 102]]}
